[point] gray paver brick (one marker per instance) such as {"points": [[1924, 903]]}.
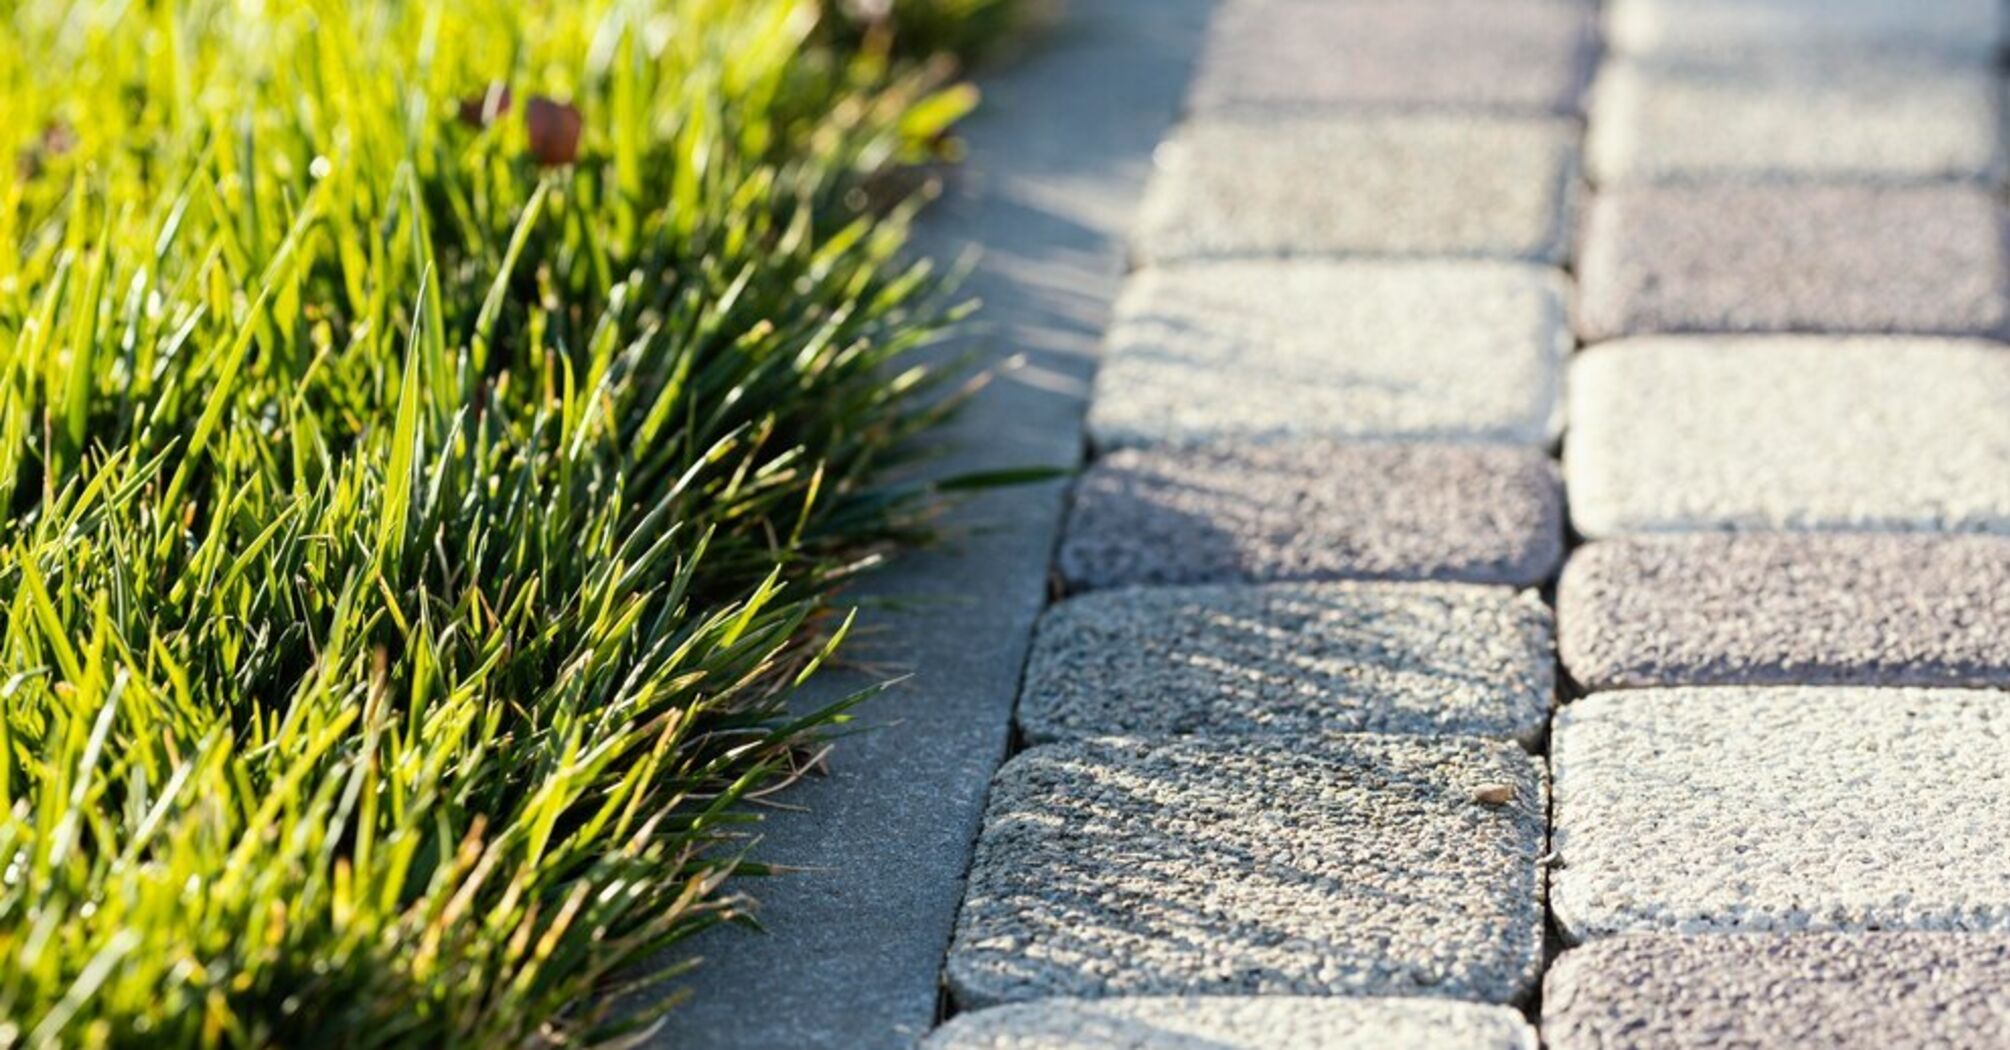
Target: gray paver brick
{"points": [[1424, 659], [1793, 258], [1735, 810], [1768, 609], [1511, 55], [1269, 349], [1860, 991], [1314, 510], [1804, 434], [1950, 29], [1829, 118], [1236, 1023], [1408, 185], [1339, 865]]}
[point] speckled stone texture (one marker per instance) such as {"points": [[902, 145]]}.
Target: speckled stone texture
{"points": [[1314, 511], [1767, 609], [1947, 29], [1793, 258], [1271, 349], [1401, 185], [1790, 434], [1833, 118], [1230, 1023], [1509, 55], [1425, 659], [1774, 992], [1734, 810], [1338, 865]]}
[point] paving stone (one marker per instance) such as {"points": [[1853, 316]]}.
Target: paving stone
{"points": [[1512, 55], [1861, 991], [1793, 258], [1766, 609], [1832, 118], [1271, 349], [1314, 511], [1328, 865], [1950, 29], [1800, 434], [1392, 185], [1232, 1023], [1424, 659], [1732, 810]]}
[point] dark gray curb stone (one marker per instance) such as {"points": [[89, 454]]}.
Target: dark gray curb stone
{"points": [[1790, 433], [1268, 1022], [1337, 865], [1401, 185], [1510, 55], [1926, 260], [1275, 349], [1735, 810], [1863, 991], [1423, 659], [850, 952], [1767, 609], [1315, 511]]}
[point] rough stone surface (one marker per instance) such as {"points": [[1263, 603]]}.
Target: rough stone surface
{"points": [[1338, 865], [1768, 609], [1736, 810], [1863, 991], [1425, 659], [1949, 29], [1512, 55], [1230, 1023], [1270, 349], [1314, 510], [1362, 185], [1793, 258], [1795, 118], [1790, 434]]}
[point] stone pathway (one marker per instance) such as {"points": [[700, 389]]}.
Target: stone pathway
{"points": [[1297, 768]]}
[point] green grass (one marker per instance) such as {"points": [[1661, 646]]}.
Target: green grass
{"points": [[408, 546]]}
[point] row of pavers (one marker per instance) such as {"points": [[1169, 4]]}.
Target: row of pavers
{"points": [[1248, 780], [1790, 461], [1279, 788]]}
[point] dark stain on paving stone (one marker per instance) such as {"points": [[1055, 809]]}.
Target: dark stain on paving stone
{"points": [[1866, 991], [1794, 258], [1270, 1022], [1788, 609], [1330, 865], [1518, 55], [1428, 659], [1315, 510]]}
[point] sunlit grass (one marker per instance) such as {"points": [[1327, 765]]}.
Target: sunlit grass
{"points": [[408, 543]]}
